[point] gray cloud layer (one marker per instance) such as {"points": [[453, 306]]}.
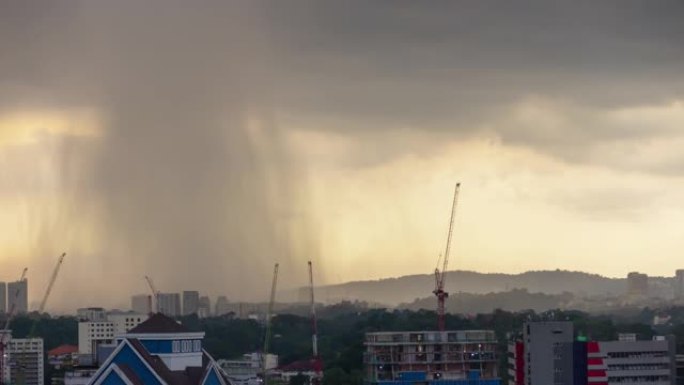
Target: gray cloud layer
{"points": [[184, 189]]}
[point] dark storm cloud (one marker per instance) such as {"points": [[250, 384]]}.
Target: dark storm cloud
{"points": [[183, 190], [456, 66], [188, 195]]}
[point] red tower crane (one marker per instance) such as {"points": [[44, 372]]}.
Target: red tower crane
{"points": [[155, 294], [441, 275]]}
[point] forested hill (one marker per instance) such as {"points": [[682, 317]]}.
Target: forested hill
{"points": [[394, 291]]}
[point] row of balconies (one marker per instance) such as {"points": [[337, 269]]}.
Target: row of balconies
{"points": [[429, 358], [474, 336], [456, 348]]}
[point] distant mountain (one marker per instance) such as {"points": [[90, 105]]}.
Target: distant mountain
{"points": [[514, 300], [407, 289]]}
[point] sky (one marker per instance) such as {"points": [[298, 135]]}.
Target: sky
{"points": [[201, 142]]}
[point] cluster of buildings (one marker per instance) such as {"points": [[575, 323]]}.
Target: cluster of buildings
{"points": [[550, 353], [130, 348], [157, 351], [173, 304], [101, 332], [639, 287], [143, 346], [543, 353], [191, 302], [23, 359], [98, 329]]}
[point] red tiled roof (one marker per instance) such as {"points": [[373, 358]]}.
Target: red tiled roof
{"points": [[159, 323], [301, 366], [63, 349]]}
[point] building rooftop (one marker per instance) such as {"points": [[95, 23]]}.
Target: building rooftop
{"points": [[62, 349], [159, 323], [310, 365], [134, 364]]}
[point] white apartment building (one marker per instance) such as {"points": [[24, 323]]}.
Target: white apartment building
{"points": [[123, 322], [26, 361], [104, 331]]}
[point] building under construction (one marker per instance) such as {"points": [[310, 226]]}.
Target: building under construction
{"points": [[436, 357], [442, 357]]}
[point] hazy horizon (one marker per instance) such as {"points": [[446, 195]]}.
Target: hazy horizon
{"points": [[201, 144]]}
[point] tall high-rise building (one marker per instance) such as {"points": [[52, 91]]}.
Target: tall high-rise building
{"points": [[26, 361], [3, 297], [679, 283], [222, 306], [169, 304], [204, 309], [548, 352], [17, 296], [637, 284], [141, 303], [190, 302]]}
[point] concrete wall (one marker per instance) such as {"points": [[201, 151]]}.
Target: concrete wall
{"points": [[544, 347]]}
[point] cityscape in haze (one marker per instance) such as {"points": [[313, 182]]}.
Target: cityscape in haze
{"points": [[341, 193]]}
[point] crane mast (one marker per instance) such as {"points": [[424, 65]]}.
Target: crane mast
{"points": [[440, 276], [155, 293], [314, 325], [267, 337], [52, 282], [21, 377]]}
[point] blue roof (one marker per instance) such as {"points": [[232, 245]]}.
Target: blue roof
{"points": [[131, 363]]}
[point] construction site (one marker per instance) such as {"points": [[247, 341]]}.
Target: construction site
{"points": [[442, 357]]}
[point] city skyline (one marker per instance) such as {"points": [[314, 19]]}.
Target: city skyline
{"points": [[201, 145]]}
